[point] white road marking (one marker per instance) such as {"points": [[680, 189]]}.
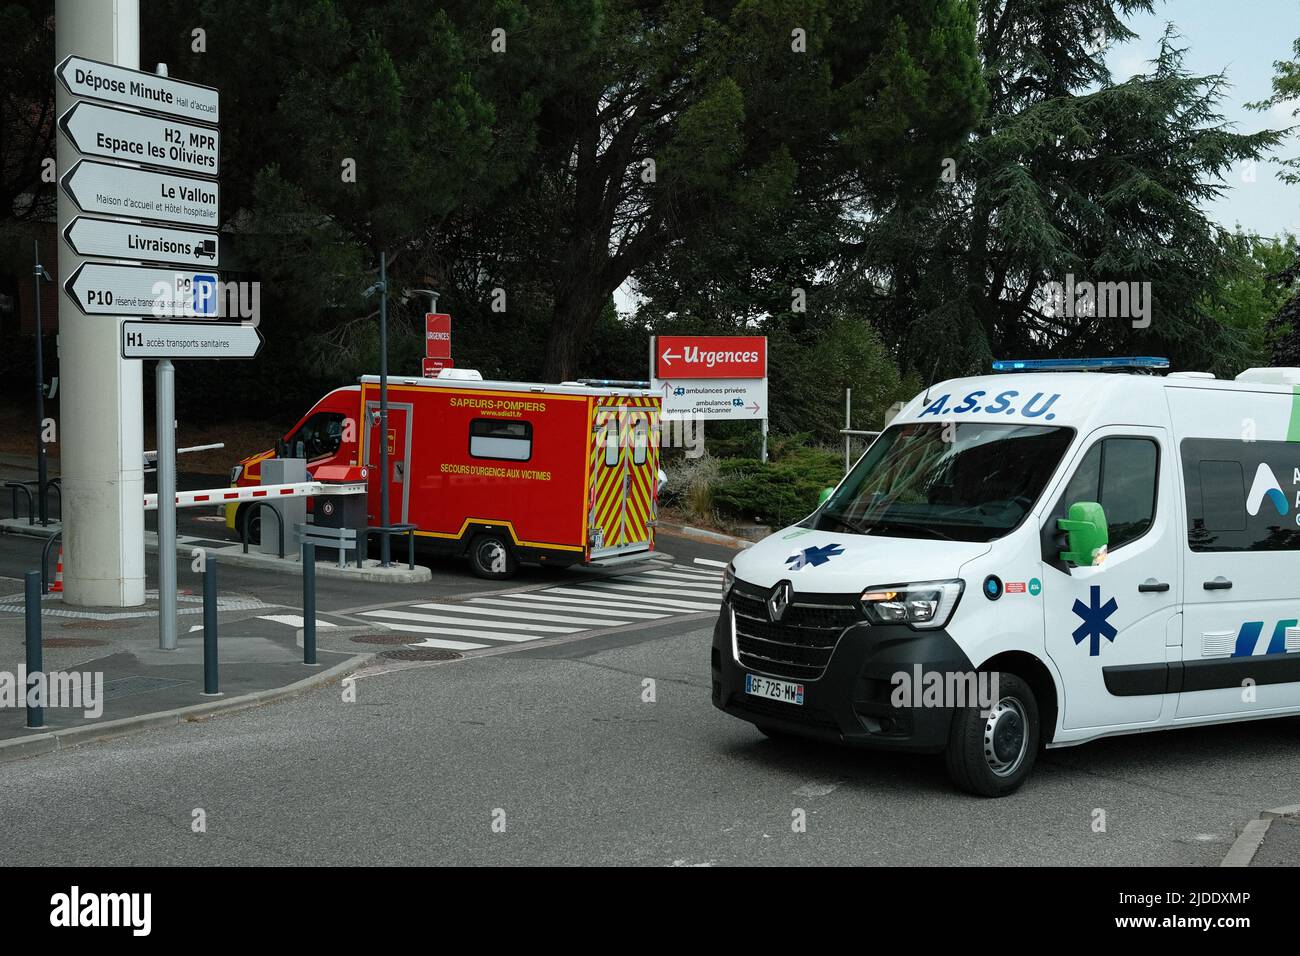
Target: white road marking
{"points": [[544, 604], [593, 598], [700, 587], [667, 596], [690, 578], [489, 612], [491, 635], [293, 620], [447, 645], [470, 622], [709, 562], [658, 600]]}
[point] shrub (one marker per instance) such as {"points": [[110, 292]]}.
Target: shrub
{"points": [[777, 493]]}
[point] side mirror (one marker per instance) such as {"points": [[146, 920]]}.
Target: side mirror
{"points": [[825, 493], [1088, 534]]}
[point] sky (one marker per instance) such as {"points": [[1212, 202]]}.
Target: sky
{"points": [[1243, 38]]}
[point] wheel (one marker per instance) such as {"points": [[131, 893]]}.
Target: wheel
{"points": [[490, 556], [254, 524], [991, 753]]}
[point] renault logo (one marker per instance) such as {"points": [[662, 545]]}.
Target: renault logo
{"points": [[778, 601]]}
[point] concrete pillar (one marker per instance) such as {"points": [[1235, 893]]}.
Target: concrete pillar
{"points": [[101, 401]]}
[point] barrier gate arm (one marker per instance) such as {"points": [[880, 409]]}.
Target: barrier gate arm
{"points": [[222, 496]]}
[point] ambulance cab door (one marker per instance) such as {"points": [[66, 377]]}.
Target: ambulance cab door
{"points": [[1112, 629], [399, 462]]}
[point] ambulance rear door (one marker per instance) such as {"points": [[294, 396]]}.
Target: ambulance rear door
{"points": [[624, 473]]}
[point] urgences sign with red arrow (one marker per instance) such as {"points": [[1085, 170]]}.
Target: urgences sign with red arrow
{"points": [[710, 356]]}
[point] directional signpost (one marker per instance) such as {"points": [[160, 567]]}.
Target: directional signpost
{"points": [[101, 288], [115, 239], [162, 224], [92, 80], [137, 138], [189, 340], [711, 377], [112, 190]]}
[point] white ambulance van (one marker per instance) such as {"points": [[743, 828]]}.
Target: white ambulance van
{"points": [[1072, 550]]}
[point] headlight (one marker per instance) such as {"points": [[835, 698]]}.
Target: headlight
{"points": [[925, 605], [235, 473], [728, 579]]}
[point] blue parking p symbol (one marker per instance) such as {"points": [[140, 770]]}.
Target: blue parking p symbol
{"points": [[205, 295]]}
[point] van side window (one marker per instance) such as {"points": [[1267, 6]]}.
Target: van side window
{"points": [[497, 438], [320, 435], [640, 437], [1120, 474], [1241, 495]]}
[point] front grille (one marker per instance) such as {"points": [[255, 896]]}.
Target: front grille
{"points": [[800, 645]]}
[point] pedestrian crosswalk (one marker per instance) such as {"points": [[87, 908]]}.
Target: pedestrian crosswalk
{"points": [[583, 604]]}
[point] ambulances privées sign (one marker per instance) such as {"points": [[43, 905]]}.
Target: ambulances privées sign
{"points": [[710, 356]]}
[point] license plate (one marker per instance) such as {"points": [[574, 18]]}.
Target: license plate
{"points": [[783, 690]]}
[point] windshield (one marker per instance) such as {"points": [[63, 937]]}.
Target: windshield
{"points": [[950, 481]]}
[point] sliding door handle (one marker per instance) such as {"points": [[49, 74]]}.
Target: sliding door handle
{"points": [[1151, 584], [1218, 584]]}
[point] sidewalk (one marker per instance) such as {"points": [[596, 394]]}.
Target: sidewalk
{"points": [[257, 652]]}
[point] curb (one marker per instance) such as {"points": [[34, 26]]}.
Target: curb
{"points": [[51, 741], [1244, 848], [705, 537]]}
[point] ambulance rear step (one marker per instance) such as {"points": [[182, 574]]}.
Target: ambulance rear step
{"points": [[641, 553]]}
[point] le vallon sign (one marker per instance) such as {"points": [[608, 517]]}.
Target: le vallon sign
{"points": [[710, 356], [112, 190], [147, 91], [139, 138]]}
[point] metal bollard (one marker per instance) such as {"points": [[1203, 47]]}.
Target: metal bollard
{"points": [[32, 587], [308, 603], [210, 681]]}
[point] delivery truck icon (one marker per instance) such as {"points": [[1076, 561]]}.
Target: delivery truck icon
{"points": [[206, 249]]}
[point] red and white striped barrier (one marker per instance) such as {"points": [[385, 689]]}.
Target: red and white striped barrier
{"points": [[222, 496]]}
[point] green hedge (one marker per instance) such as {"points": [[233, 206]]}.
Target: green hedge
{"points": [[780, 492]]}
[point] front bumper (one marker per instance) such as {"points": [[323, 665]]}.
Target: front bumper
{"points": [[851, 701]]}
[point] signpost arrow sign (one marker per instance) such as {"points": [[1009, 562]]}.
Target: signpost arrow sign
{"points": [[114, 239], [118, 84], [100, 288], [189, 340], [120, 134], [114, 190]]}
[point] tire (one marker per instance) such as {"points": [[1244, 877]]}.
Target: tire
{"points": [[992, 754], [491, 557], [254, 524]]}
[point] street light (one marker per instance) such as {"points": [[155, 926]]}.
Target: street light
{"points": [[42, 471], [381, 288]]}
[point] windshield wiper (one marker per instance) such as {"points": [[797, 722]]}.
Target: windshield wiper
{"points": [[921, 529], [846, 523]]}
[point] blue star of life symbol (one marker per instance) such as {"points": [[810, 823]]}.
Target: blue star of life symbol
{"points": [[813, 556], [1095, 617]]}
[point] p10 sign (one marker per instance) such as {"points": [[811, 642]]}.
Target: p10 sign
{"points": [[710, 356]]}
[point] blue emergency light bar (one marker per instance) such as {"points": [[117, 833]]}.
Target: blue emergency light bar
{"points": [[1143, 362]]}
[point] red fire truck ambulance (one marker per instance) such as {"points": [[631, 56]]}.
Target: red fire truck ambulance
{"points": [[499, 472]]}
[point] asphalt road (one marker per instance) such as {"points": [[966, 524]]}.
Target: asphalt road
{"points": [[558, 744]]}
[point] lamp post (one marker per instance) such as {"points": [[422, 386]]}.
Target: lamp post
{"points": [[382, 288], [42, 469]]}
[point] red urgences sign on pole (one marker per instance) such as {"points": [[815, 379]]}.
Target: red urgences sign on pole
{"points": [[437, 335], [710, 356]]}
